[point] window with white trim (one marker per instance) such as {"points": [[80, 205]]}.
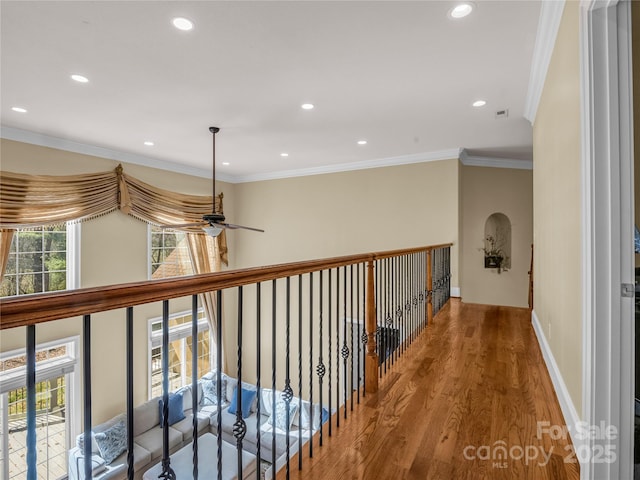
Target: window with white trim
{"points": [[56, 407], [43, 259], [180, 351]]}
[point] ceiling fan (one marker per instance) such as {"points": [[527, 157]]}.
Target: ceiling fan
{"points": [[213, 223]]}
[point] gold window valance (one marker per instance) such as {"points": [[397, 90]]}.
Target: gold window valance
{"points": [[36, 200]]}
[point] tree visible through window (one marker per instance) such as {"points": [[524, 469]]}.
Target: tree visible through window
{"points": [[37, 262]]}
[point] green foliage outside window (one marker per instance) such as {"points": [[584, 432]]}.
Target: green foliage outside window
{"points": [[37, 262]]}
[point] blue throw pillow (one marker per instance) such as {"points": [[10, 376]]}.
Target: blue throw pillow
{"points": [[176, 409], [247, 399], [325, 415]]}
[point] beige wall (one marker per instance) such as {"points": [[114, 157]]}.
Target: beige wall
{"points": [[113, 249], [557, 206], [486, 191], [351, 212]]}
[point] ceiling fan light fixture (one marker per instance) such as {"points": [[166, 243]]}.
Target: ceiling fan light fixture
{"points": [[212, 230]]}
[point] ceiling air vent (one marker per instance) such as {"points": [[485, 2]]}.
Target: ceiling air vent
{"points": [[504, 113]]}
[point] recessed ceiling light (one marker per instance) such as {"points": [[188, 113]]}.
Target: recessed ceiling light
{"points": [[307, 106], [79, 78], [182, 23], [226, 163], [149, 143], [479, 103], [19, 109], [283, 154], [362, 142], [461, 10]]}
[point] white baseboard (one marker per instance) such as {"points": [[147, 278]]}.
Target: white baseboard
{"points": [[455, 292], [569, 411]]}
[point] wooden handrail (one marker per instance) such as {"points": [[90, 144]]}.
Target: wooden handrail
{"points": [[44, 307]]}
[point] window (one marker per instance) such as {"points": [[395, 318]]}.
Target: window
{"points": [[169, 254], [180, 350], [55, 402], [40, 260]]}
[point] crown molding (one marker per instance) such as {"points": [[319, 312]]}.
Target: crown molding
{"points": [[548, 25], [474, 161], [453, 153], [42, 140]]}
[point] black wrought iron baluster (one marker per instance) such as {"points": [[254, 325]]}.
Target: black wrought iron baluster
{"points": [[258, 377], [86, 347], [358, 332], [422, 288], [338, 346], [273, 368], [239, 426], [448, 273], [381, 319], [194, 381], [351, 332], [167, 471], [321, 369], [435, 282], [401, 305], [412, 294], [287, 393], [311, 362], [396, 314], [438, 279], [219, 378], [345, 349], [365, 338], [300, 366], [32, 448], [407, 299], [405, 296], [330, 321], [129, 335]]}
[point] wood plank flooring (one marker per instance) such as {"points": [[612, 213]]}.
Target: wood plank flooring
{"points": [[471, 399]]}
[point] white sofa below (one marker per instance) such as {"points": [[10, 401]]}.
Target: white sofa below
{"points": [[147, 446], [111, 463]]}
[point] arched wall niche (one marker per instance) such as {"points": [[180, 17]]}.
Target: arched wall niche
{"points": [[497, 242]]}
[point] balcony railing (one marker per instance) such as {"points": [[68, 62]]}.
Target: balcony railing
{"points": [[313, 337]]}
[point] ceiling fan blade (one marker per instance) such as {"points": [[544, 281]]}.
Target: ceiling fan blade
{"points": [[231, 226], [184, 225]]}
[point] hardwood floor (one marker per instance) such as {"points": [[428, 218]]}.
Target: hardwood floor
{"points": [[473, 382]]}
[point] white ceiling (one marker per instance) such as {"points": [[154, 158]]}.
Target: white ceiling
{"points": [[401, 75]]}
